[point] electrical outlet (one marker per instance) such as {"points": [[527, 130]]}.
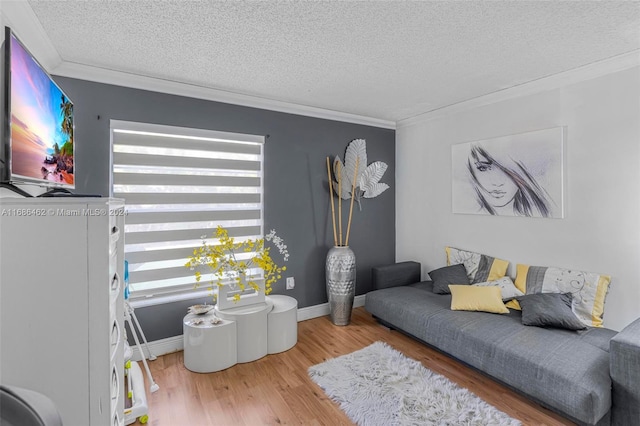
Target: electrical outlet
{"points": [[291, 283]]}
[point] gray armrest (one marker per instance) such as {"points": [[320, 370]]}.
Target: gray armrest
{"points": [[26, 407], [624, 352], [397, 274]]}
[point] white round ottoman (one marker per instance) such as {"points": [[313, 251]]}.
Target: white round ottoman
{"points": [[282, 323], [208, 347], [251, 326]]}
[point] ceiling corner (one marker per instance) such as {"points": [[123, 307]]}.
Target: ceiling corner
{"points": [[19, 16]]}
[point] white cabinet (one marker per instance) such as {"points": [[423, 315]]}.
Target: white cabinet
{"points": [[61, 304]]}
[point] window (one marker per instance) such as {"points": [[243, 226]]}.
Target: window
{"points": [[179, 184]]}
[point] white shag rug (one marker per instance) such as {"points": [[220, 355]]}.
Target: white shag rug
{"points": [[378, 385]]}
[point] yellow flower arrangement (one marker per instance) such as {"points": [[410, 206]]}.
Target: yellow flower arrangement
{"points": [[227, 267]]}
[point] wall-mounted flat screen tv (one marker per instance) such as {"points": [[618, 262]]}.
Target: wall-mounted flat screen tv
{"points": [[38, 142]]}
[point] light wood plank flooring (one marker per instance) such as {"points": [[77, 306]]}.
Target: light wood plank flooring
{"points": [[277, 390]]}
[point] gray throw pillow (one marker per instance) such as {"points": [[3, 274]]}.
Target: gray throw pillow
{"points": [[549, 310], [454, 274]]}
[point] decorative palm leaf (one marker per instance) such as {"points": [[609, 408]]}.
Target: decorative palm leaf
{"points": [[369, 180], [339, 171], [368, 185], [356, 150]]}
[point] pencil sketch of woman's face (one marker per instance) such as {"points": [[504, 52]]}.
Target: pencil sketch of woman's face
{"points": [[514, 175], [498, 187]]}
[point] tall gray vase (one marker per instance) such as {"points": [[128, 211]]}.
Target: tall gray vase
{"points": [[341, 283]]}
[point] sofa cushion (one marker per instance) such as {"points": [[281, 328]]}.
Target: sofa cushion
{"points": [[442, 277], [549, 310], [479, 267], [424, 285], [471, 298], [564, 370]]}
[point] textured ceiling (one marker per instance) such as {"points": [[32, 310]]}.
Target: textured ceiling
{"points": [[386, 60]]}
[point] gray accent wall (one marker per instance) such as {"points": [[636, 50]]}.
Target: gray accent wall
{"points": [[296, 199]]}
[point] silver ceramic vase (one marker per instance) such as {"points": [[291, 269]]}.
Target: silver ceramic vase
{"points": [[340, 271]]}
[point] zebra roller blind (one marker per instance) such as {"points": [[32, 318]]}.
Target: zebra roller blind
{"points": [[179, 184]]}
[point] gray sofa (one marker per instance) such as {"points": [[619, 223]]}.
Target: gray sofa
{"points": [[590, 376]]}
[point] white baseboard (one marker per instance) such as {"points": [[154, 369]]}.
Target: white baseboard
{"points": [[160, 347], [323, 309], [176, 343]]}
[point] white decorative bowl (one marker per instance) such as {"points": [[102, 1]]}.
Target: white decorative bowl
{"points": [[200, 309]]}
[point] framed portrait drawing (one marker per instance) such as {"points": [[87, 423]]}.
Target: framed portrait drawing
{"points": [[516, 175]]}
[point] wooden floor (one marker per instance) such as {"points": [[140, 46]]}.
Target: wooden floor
{"points": [[277, 390]]}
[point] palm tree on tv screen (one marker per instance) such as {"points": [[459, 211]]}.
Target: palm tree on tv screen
{"points": [[67, 120]]}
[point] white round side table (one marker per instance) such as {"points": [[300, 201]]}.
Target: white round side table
{"points": [[251, 327], [282, 323], [209, 347]]}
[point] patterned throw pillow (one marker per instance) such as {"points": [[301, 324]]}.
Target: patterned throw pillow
{"points": [[507, 288], [479, 267], [587, 289]]}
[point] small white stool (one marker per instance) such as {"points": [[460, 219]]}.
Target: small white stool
{"points": [[251, 327], [282, 323], [209, 347]]}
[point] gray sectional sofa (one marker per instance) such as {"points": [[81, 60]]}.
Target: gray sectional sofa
{"points": [[590, 376]]}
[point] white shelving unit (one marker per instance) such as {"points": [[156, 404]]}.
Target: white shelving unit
{"points": [[61, 304]]}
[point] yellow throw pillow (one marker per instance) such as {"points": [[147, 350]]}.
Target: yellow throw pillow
{"points": [[472, 298]]}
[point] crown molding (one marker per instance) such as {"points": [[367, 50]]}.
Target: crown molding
{"points": [[134, 81], [19, 16], [555, 81]]}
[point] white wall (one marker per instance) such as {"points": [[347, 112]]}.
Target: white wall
{"points": [[601, 228]]}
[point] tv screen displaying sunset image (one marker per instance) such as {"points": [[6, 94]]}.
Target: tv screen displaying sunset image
{"points": [[41, 123]]}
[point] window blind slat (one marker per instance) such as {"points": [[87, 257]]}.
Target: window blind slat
{"points": [[172, 198], [185, 234], [120, 127], [146, 289], [137, 218], [183, 143], [121, 158], [160, 274], [159, 255], [174, 179], [168, 273]]}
